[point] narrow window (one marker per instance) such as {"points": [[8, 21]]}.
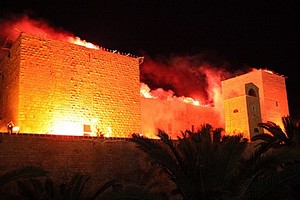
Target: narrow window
{"points": [[251, 92]]}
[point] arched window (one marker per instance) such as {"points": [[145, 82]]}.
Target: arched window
{"points": [[251, 92]]}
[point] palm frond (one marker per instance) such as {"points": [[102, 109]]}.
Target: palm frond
{"points": [[266, 186], [104, 187], [157, 153], [275, 130], [23, 173], [76, 186], [133, 193], [167, 140], [228, 160]]}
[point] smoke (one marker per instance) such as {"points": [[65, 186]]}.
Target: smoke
{"points": [[195, 76], [181, 91], [184, 80], [11, 28]]}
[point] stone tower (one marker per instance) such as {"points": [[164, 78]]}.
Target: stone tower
{"points": [[51, 86], [258, 96]]}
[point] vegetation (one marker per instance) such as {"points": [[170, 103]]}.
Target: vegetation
{"points": [[206, 165]]}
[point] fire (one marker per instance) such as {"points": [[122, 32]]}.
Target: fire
{"points": [[12, 28], [269, 71], [145, 91], [161, 94], [190, 80], [193, 98], [81, 42]]}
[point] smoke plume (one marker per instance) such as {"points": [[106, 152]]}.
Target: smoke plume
{"points": [[11, 28], [190, 76]]}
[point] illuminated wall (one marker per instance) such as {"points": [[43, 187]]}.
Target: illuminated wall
{"points": [[174, 116], [55, 87], [239, 104], [51, 86]]}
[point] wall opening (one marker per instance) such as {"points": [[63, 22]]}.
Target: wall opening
{"points": [[251, 92]]}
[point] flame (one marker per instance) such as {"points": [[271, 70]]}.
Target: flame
{"points": [[145, 91], [191, 101], [162, 94], [269, 71], [13, 27], [78, 41]]}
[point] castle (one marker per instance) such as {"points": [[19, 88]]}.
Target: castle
{"points": [[53, 87]]}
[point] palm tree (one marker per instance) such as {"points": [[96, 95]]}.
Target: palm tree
{"points": [[201, 164], [275, 137], [36, 189], [24, 173], [204, 165], [275, 160]]}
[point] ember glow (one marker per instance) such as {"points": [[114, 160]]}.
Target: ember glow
{"points": [[178, 86], [181, 93], [161, 94], [12, 28], [189, 79]]}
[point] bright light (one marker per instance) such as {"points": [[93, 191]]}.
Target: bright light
{"points": [[67, 128], [269, 71], [16, 129], [191, 101], [109, 132], [145, 91], [78, 41]]}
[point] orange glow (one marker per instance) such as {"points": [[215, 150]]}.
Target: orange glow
{"points": [[12, 28], [73, 95], [145, 91], [269, 71], [109, 132], [162, 94], [67, 128], [78, 41], [16, 129]]}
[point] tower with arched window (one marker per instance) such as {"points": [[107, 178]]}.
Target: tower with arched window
{"points": [[258, 96]]}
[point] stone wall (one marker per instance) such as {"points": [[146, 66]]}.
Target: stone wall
{"points": [[272, 95], [103, 159], [59, 87]]}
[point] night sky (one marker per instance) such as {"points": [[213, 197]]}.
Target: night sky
{"points": [[259, 35]]}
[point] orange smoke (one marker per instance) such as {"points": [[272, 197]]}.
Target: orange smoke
{"points": [[189, 77], [161, 94], [10, 30], [181, 93], [191, 85]]}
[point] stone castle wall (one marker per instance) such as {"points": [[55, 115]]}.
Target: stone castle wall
{"points": [[63, 156], [272, 96], [59, 87]]}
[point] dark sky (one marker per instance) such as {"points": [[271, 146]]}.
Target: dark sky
{"points": [[260, 35]]}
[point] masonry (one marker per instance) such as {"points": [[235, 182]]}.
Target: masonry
{"points": [[63, 156], [51, 86]]}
